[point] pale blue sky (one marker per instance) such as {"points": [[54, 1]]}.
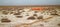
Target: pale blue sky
{"points": [[29, 2]]}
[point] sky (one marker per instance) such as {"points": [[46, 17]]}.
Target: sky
{"points": [[29, 2]]}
